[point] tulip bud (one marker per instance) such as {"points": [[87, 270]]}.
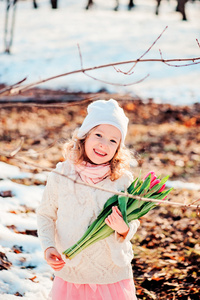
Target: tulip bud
{"points": [[153, 183], [153, 176], [162, 188]]}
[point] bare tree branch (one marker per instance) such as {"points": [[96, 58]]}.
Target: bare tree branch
{"points": [[195, 60], [7, 90], [35, 166], [18, 90]]}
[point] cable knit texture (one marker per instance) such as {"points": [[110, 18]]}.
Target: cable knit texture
{"points": [[64, 214]]}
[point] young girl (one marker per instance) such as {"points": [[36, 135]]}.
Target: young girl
{"points": [[95, 155]]}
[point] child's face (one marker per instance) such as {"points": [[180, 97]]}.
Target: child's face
{"points": [[102, 143]]}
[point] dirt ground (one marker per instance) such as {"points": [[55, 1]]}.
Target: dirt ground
{"points": [[163, 138]]}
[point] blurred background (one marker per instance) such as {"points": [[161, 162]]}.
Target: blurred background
{"points": [[163, 135], [45, 44]]}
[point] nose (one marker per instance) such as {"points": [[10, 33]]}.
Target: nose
{"points": [[103, 144]]}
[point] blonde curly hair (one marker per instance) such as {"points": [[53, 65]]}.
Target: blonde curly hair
{"points": [[75, 151]]}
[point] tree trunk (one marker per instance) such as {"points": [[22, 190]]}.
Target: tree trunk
{"points": [[54, 4]]}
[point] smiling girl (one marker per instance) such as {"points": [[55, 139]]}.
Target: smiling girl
{"points": [[95, 155]]}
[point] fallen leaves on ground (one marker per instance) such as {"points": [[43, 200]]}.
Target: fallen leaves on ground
{"points": [[167, 255], [5, 264]]}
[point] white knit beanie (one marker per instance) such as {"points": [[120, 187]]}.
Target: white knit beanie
{"points": [[104, 112]]}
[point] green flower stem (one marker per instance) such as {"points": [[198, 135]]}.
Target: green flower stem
{"points": [[87, 235], [104, 232], [96, 226]]}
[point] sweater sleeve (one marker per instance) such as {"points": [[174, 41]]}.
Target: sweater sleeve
{"points": [[120, 248], [47, 212]]}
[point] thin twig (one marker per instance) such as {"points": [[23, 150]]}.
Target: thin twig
{"points": [[35, 166], [15, 85], [194, 202], [39, 151], [125, 73], [104, 81], [176, 66], [81, 60], [117, 84], [18, 148], [138, 60]]}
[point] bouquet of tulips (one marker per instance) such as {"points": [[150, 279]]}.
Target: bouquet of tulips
{"points": [[150, 187]]}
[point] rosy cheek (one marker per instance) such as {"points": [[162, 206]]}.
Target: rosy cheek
{"points": [[115, 146]]}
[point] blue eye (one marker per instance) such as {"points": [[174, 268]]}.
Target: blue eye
{"points": [[98, 134], [113, 141]]}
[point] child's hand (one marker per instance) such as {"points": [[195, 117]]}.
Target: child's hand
{"points": [[54, 258], [116, 222]]}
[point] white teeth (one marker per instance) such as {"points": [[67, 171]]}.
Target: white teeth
{"points": [[100, 153]]}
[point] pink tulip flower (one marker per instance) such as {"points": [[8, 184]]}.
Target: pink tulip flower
{"points": [[153, 176], [162, 188], [154, 181]]}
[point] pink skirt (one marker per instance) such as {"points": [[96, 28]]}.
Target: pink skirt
{"points": [[63, 290]]}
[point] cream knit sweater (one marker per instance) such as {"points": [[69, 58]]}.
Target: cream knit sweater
{"points": [[66, 211]]}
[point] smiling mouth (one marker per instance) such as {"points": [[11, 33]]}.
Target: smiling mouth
{"points": [[102, 154]]}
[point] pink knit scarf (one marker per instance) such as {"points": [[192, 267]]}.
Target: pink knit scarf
{"points": [[90, 173]]}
